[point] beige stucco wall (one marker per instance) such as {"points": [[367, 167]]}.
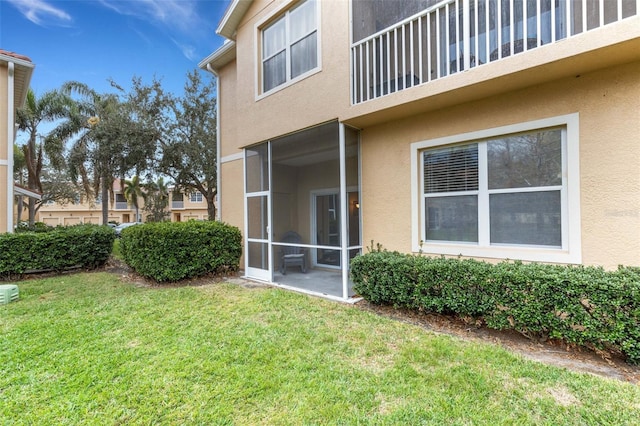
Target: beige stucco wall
{"points": [[3, 198], [321, 97], [71, 214], [232, 205], [608, 103], [4, 172], [230, 118], [595, 75]]}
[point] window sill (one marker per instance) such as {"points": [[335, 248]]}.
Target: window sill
{"points": [[532, 254], [288, 83]]}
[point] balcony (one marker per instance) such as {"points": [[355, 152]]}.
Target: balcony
{"points": [[122, 205], [177, 204], [452, 36]]}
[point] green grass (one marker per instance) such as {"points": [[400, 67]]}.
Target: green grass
{"points": [[88, 349], [116, 249]]}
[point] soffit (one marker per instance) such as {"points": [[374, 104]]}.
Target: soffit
{"points": [[232, 17], [22, 74], [221, 57]]}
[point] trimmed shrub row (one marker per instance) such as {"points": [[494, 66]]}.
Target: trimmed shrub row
{"points": [[167, 251], [582, 305], [85, 246]]}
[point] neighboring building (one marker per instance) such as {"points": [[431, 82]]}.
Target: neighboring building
{"points": [[459, 127], [15, 76], [189, 207], [184, 207]]}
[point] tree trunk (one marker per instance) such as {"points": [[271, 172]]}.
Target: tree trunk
{"points": [[104, 191], [30, 154], [20, 207], [32, 211], [211, 207]]}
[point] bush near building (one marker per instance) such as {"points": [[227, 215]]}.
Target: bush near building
{"points": [[582, 305], [172, 251], [57, 249]]}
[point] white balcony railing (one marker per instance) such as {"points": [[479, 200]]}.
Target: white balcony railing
{"points": [[177, 204], [122, 205], [456, 35]]}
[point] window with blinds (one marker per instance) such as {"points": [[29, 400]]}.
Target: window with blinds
{"points": [[451, 188], [451, 169], [509, 186]]}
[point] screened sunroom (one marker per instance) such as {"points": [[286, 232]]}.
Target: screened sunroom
{"points": [[302, 209]]}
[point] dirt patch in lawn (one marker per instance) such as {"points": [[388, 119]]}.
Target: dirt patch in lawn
{"points": [[551, 352]]}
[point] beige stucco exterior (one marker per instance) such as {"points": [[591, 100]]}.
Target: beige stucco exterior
{"points": [[318, 98], [4, 143], [607, 102], [54, 214], [15, 76], [594, 76]]}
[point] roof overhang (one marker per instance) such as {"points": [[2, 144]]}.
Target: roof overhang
{"points": [[21, 190], [23, 70], [232, 17], [221, 57]]}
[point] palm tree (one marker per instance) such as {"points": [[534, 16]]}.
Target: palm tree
{"points": [[110, 138], [157, 200], [51, 106], [95, 151], [163, 191], [132, 191]]}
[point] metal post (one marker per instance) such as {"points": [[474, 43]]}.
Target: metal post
{"points": [[344, 209]]}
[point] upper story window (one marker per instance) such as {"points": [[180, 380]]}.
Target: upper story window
{"points": [[196, 197], [290, 46]]}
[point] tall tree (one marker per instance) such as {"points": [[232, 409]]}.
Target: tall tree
{"points": [[56, 187], [109, 138], [188, 152], [49, 107], [157, 201], [132, 192]]}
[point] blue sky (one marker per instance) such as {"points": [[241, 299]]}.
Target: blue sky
{"points": [[93, 40]]}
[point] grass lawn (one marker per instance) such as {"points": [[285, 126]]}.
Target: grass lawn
{"points": [[88, 349]]}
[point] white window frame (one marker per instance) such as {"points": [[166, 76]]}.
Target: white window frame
{"points": [[282, 13], [196, 197], [571, 249]]}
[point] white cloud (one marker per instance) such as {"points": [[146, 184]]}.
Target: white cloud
{"points": [[188, 51], [42, 13], [179, 20], [180, 15]]}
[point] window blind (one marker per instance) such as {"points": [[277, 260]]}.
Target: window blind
{"points": [[451, 169]]}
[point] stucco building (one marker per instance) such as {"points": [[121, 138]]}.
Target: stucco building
{"points": [[181, 207], [15, 76], [493, 129]]}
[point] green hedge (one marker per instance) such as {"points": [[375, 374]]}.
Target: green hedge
{"points": [[168, 251], [85, 246], [583, 305]]}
